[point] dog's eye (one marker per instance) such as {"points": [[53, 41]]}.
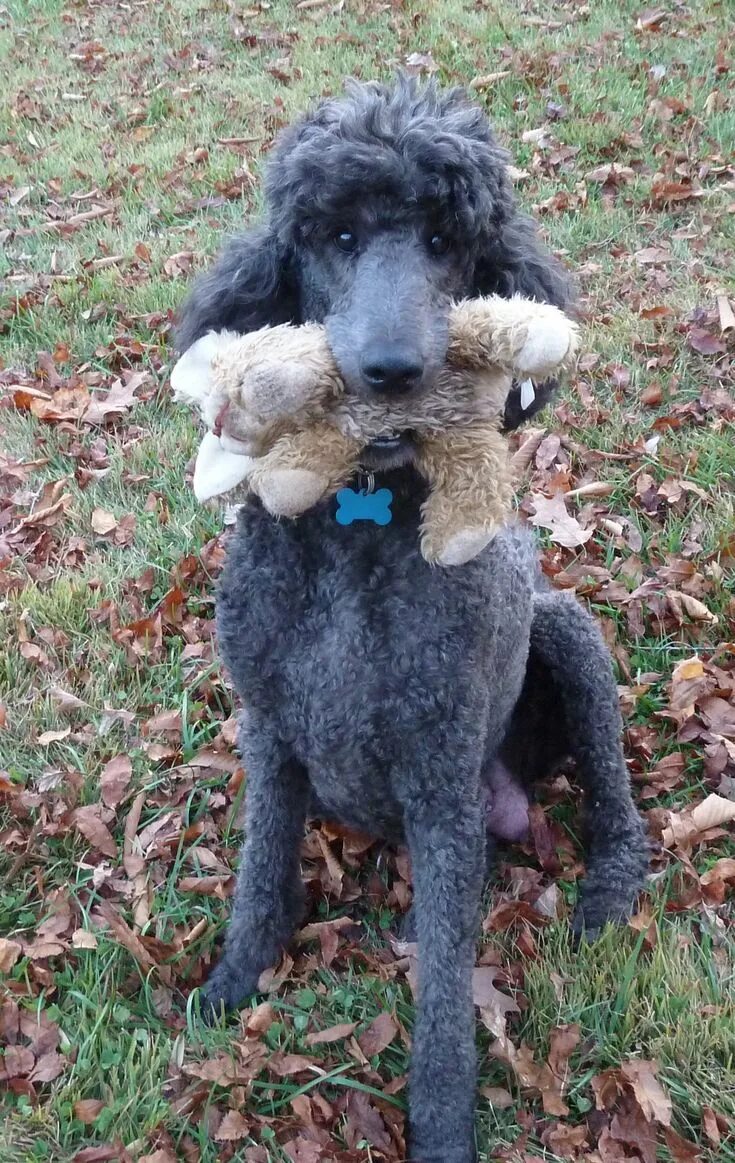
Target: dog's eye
{"points": [[439, 244], [345, 241]]}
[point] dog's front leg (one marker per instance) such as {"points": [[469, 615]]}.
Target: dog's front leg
{"points": [[447, 845], [269, 893]]}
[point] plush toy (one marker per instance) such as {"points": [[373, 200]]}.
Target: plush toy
{"points": [[281, 422]]}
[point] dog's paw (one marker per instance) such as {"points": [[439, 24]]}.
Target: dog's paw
{"points": [[225, 990], [463, 545], [434, 1153], [288, 492], [598, 907], [548, 343]]}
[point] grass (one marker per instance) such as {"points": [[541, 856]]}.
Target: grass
{"points": [[133, 109]]}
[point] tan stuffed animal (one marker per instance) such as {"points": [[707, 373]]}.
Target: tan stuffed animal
{"points": [[280, 420]]}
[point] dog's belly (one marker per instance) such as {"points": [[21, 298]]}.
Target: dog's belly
{"points": [[372, 667]]}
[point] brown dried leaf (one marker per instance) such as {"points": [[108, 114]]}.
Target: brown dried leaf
{"points": [[551, 513], [103, 522], [114, 780], [87, 1109], [379, 1034], [285, 1064], [125, 935], [232, 1128], [684, 605], [365, 1122], [118, 400], [10, 951], [48, 1067], [87, 820], [261, 1019], [83, 939], [563, 1042], [332, 1034], [705, 343], [498, 1096], [682, 1150], [684, 826], [49, 737], [133, 861], [650, 1095], [494, 1005], [18, 1061]]}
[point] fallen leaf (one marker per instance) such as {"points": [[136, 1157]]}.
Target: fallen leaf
{"points": [[686, 605], [365, 1122], [563, 1042], [103, 522], [379, 1034], [494, 1005], [48, 1067], [650, 1095], [114, 780], [487, 79], [125, 935], [498, 1096], [332, 1034], [83, 939], [260, 1020], [10, 951], [651, 19], [88, 1109], [53, 736], [87, 820], [705, 343], [18, 1061], [684, 826], [421, 62], [682, 1150], [120, 398], [552, 514], [232, 1128]]}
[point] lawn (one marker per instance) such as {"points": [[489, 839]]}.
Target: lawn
{"points": [[131, 137]]}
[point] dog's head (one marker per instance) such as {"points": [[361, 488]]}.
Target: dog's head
{"points": [[390, 195], [382, 206]]}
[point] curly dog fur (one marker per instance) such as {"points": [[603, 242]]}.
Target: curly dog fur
{"points": [[392, 695]]}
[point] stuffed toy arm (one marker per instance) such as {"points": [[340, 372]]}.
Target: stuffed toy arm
{"points": [[525, 338], [248, 389]]}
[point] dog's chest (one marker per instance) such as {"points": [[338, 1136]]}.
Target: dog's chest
{"points": [[366, 660]]}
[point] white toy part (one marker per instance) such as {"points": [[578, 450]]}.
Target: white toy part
{"points": [[217, 469], [547, 345], [222, 462], [191, 378]]}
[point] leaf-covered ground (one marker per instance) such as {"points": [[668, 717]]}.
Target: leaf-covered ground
{"points": [[132, 136]]}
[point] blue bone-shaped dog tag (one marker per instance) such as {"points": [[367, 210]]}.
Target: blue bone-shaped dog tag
{"points": [[362, 505]]}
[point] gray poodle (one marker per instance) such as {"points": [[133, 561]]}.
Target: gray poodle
{"points": [[411, 702]]}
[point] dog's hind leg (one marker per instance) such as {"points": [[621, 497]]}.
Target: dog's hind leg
{"points": [[567, 642], [447, 842], [269, 894]]}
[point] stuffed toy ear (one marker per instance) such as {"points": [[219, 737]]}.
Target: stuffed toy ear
{"points": [[191, 378], [217, 470]]}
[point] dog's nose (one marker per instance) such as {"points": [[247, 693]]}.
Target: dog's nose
{"points": [[392, 370]]}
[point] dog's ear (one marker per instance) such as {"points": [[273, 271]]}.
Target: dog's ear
{"points": [[516, 262], [249, 286]]}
